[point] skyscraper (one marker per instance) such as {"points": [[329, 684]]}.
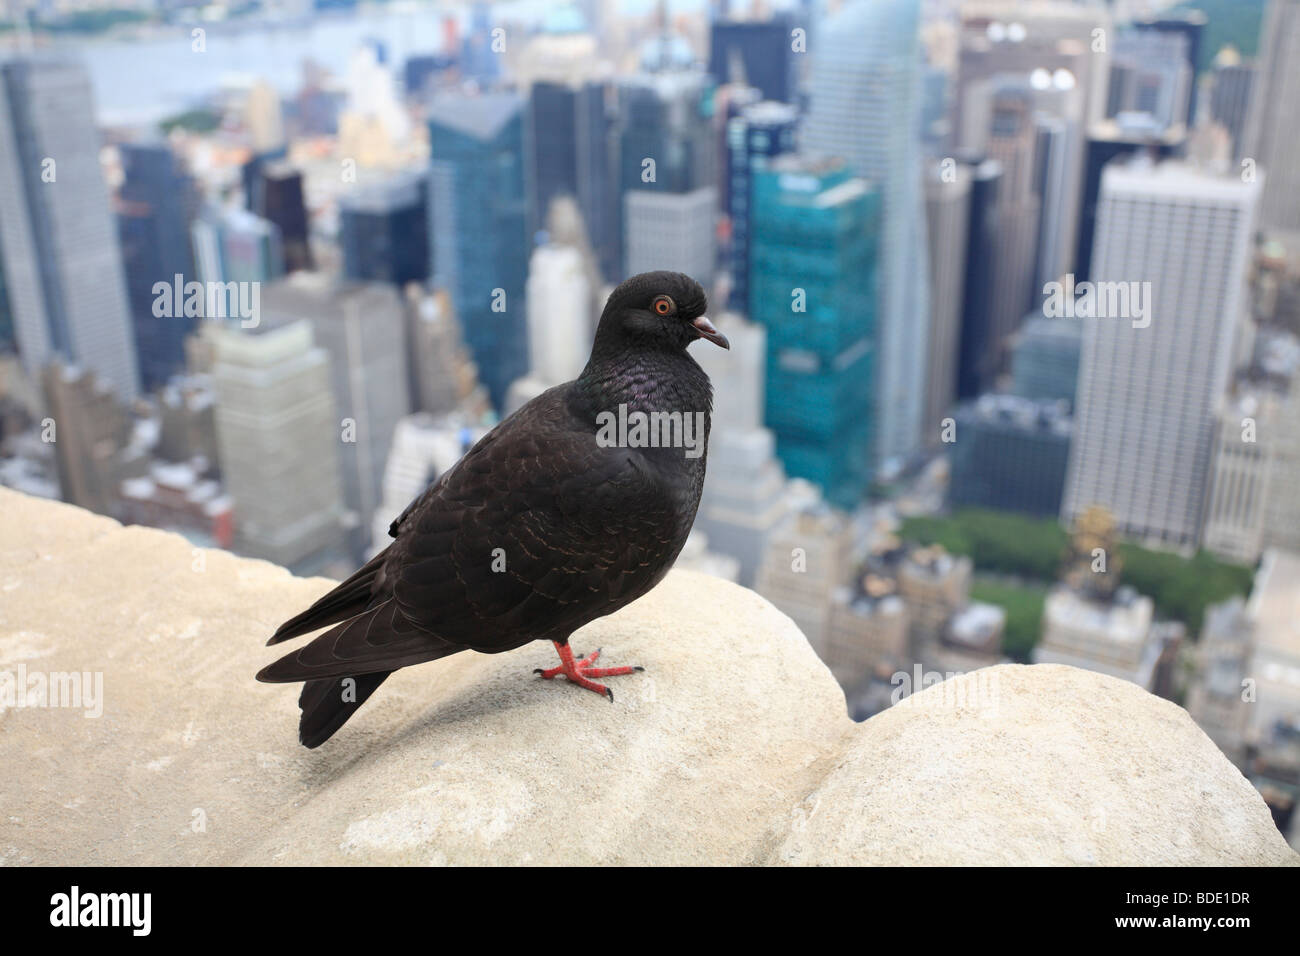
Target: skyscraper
{"points": [[569, 154], [760, 132], [666, 145], [1173, 243], [1151, 72], [673, 231], [947, 208], [1231, 86], [561, 321], [744, 499], [278, 198], [813, 270], [155, 207], [233, 245], [1272, 134], [58, 241], [865, 109], [277, 433], [976, 353], [479, 242], [361, 326], [1012, 141], [1107, 141], [1187, 27], [1061, 48], [755, 52], [384, 231]]}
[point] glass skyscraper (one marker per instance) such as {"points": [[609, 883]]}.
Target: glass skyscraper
{"points": [[865, 107], [478, 222], [813, 273], [156, 205]]}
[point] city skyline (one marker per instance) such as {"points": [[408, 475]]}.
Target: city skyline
{"points": [[999, 278]]}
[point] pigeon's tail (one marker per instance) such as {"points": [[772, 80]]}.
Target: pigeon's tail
{"points": [[347, 600], [327, 704]]}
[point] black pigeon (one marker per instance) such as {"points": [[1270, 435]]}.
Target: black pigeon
{"points": [[555, 518]]}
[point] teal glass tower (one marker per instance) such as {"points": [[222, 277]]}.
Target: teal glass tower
{"points": [[812, 278]]}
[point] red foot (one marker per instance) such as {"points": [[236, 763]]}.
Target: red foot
{"points": [[578, 671]]}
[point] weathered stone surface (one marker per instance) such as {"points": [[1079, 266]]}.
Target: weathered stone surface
{"points": [[1046, 765], [733, 747]]}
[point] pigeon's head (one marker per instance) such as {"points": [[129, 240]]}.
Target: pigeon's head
{"points": [[659, 308]]}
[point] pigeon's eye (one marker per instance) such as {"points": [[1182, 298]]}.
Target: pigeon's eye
{"points": [[663, 305]]}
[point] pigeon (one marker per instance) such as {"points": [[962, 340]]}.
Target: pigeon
{"points": [[569, 509]]}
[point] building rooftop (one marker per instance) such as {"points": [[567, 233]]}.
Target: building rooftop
{"points": [[1274, 604]]}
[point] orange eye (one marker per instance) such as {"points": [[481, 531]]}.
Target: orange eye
{"points": [[663, 305]]}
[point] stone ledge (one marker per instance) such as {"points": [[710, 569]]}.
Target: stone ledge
{"points": [[733, 747]]}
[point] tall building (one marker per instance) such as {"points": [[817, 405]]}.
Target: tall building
{"points": [[813, 273], [977, 352], [761, 131], [58, 242], [277, 433], [666, 144], [1186, 28], [744, 499], [1272, 134], [865, 108], [1055, 45], [1232, 83], [1245, 473], [1108, 141], [561, 321], [1151, 74], [673, 231], [947, 207], [1045, 359], [95, 446], [758, 53], [233, 245], [384, 231], [360, 326], [1010, 454], [264, 118], [278, 198], [1012, 141], [442, 372], [156, 205], [479, 242], [570, 155], [1174, 241], [1022, 36]]}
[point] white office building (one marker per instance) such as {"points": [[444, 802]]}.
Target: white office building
{"points": [[1172, 249]]}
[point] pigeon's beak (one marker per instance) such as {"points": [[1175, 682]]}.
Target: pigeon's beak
{"points": [[705, 330]]}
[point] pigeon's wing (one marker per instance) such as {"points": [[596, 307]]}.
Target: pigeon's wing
{"points": [[380, 639], [534, 533]]}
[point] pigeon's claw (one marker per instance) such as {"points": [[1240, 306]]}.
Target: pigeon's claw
{"points": [[581, 671]]}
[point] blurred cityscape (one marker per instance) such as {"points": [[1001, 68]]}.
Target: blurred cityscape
{"points": [[1012, 286]]}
